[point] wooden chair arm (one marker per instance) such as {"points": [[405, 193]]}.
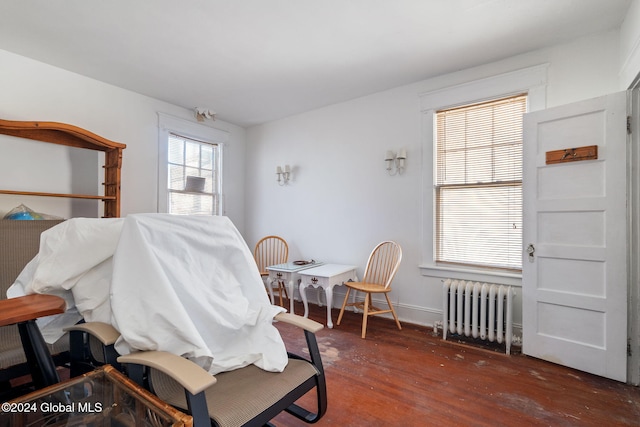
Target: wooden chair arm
{"points": [[299, 321], [191, 376], [104, 332]]}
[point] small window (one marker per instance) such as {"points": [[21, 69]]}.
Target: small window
{"points": [[193, 176], [478, 184]]}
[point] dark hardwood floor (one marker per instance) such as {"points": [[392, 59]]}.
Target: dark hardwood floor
{"points": [[411, 378]]}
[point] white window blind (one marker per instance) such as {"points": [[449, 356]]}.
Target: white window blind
{"points": [[478, 184], [193, 176]]}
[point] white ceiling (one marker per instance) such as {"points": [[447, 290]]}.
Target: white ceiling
{"points": [[254, 61]]}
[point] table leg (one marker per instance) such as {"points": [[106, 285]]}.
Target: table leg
{"points": [[268, 282], [329, 292], [303, 295], [291, 293], [43, 370]]}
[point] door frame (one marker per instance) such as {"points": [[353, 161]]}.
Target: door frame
{"points": [[633, 333]]}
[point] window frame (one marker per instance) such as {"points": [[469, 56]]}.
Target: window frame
{"points": [[183, 167], [168, 125], [445, 161], [531, 81]]}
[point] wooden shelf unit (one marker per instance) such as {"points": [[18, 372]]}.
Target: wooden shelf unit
{"points": [[73, 136]]}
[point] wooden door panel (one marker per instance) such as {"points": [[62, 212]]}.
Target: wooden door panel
{"points": [[575, 284]]}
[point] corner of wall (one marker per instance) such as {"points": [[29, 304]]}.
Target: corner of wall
{"points": [[630, 47]]}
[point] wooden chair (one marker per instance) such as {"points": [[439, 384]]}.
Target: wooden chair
{"points": [[381, 268], [271, 250]]}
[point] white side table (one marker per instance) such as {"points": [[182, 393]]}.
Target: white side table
{"points": [[325, 276], [288, 273]]}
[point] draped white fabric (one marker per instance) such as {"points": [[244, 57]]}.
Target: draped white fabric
{"points": [[75, 262], [183, 284]]}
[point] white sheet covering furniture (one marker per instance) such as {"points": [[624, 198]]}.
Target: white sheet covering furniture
{"points": [[187, 285]]}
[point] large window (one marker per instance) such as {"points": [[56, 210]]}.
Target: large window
{"points": [[478, 184], [193, 176]]}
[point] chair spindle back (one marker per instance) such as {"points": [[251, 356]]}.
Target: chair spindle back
{"points": [[270, 250], [383, 263]]}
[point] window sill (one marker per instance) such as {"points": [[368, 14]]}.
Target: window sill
{"points": [[445, 272]]}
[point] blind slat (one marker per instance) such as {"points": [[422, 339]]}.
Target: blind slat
{"points": [[192, 158], [478, 183]]}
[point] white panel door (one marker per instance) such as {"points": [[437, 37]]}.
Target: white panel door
{"points": [[574, 304]]}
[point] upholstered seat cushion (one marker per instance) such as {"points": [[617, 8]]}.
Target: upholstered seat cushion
{"points": [[239, 395]]}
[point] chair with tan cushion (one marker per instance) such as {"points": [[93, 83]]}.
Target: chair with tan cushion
{"points": [[247, 396]]}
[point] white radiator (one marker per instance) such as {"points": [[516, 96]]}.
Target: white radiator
{"points": [[478, 310]]}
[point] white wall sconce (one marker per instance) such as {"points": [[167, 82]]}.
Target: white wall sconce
{"points": [[283, 175], [395, 163]]}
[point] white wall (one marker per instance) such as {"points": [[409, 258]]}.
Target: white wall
{"points": [[32, 90], [630, 46], [341, 202]]}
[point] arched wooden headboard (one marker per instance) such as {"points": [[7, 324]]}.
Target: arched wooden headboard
{"points": [[73, 136]]}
